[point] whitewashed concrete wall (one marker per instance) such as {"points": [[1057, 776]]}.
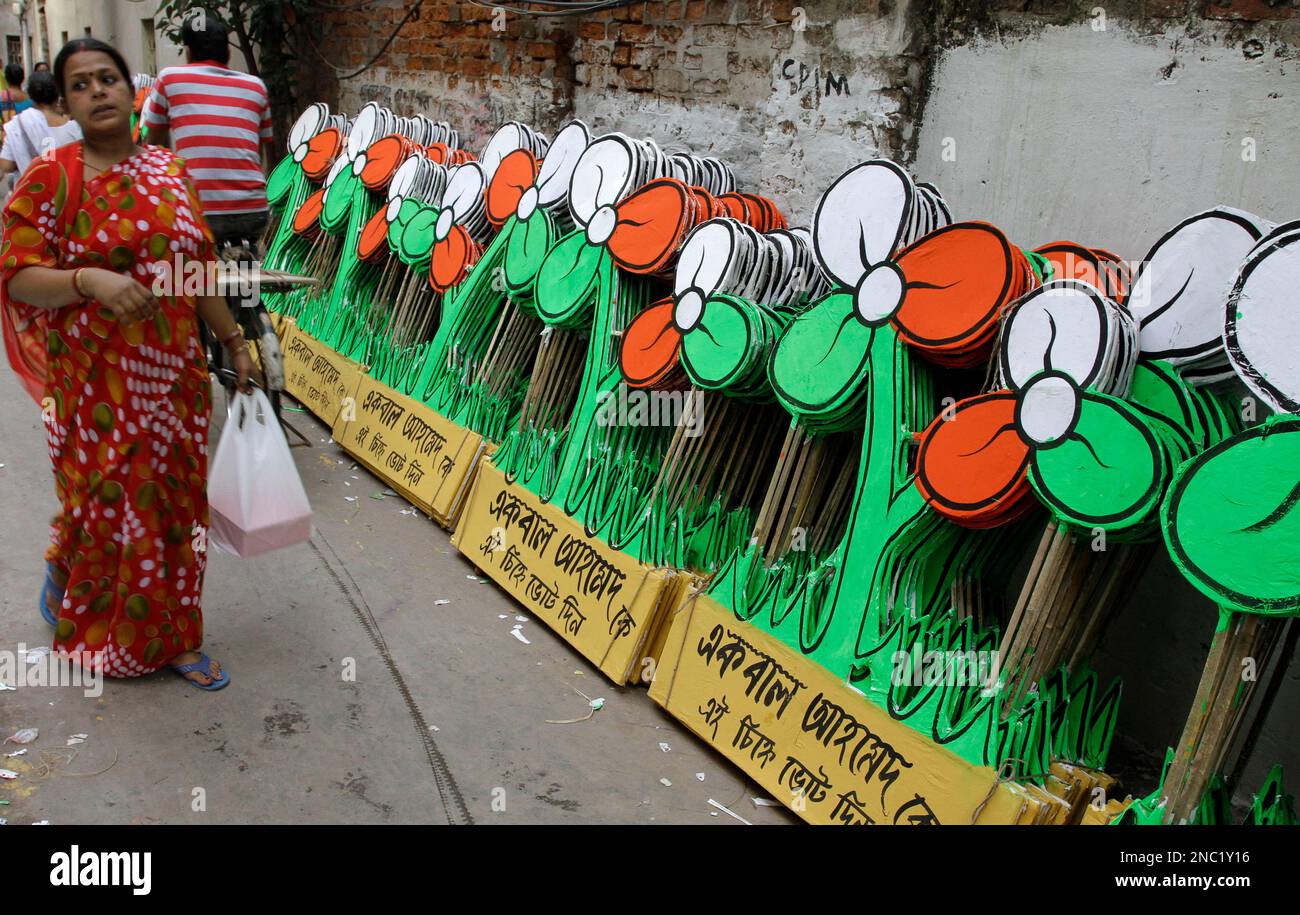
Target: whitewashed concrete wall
{"points": [[1111, 137]]}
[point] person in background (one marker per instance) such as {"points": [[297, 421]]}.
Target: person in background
{"points": [[38, 128], [41, 67], [110, 350], [13, 100], [219, 120]]}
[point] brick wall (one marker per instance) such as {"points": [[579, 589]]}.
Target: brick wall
{"points": [[748, 80]]}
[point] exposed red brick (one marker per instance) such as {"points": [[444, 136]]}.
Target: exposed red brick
{"points": [[636, 32], [670, 34], [472, 47], [440, 12], [622, 55], [1250, 10], [636, 80], [697, 10], [647, 58], [594, 31]]}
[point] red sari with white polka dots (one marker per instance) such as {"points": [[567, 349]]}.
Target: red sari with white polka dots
{"points": [[126, 408]]}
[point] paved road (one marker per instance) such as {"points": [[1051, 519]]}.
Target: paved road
{"points": [[445, 721]]}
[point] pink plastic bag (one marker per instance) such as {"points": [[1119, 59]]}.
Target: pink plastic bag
{"points": [[256, 500]]}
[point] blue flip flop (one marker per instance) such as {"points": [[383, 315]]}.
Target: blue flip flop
{"points": [[45, 590], [204, 666]]}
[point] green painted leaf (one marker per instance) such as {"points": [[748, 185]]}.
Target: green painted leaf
{"points": [[338, 201], [1108, 473], [1232, 522], [408, 208], [416, 240], [822, 357], [280, 182], [1158, 387], [526, 248], [566, 279], [721, 348]]}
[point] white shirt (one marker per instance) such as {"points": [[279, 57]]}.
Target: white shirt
{"points": [[28, 134]]}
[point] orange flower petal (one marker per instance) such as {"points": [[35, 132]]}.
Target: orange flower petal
{"points": [[650, 345], [374, 236], [451, 259], [957, 280], [306, 220], [322, 150], [651, 225], [382, 159], [972, 465], [515, 174]]}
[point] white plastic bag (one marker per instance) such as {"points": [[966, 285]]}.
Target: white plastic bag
{"points": [[256, 501]]}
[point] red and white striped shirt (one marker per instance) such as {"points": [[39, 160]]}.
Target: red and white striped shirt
{"points": [[218, 119]]}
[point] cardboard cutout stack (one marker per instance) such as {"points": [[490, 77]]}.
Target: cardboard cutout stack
{"points": [[1178, 290], [1229, 521], [1057, 423], [734, 291], [632, 209], [524, 293], [889, 587], [476, 370], [1095, 435], [898, 267]]}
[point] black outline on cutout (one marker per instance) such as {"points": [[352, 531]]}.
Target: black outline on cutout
{"points": [[1199, 577], [1209, 346], [1254, 379], [1055, 503]]}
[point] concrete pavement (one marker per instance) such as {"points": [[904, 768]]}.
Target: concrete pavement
{"points": [[445, 721]]}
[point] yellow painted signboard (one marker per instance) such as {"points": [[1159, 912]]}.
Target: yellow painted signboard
{"points": [[423, 455], [817, 745], [315, 375], [602, 602], [278, 324]]}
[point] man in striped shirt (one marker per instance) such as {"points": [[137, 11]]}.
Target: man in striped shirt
{"points": [[219, 121]]}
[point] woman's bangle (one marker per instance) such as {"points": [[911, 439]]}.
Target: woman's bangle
{"points": [[236, 334], [76, 282]]}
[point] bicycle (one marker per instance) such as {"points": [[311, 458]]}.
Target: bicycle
{"points": [[252, 317]]}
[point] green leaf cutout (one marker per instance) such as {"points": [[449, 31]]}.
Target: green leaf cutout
{"points": [[566, 280], [721, 349], [281, 181], [416, 241], [1108, 473], [338, 202], [526, 249], [1232, 522], [821, 359]]}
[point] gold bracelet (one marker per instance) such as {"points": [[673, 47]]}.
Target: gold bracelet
{"points": [[76, 283]]}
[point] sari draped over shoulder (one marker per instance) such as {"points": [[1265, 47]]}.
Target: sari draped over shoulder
{"points": [[126, 405]]}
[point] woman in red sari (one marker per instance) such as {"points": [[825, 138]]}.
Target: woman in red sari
{"points": [[121, 377]]}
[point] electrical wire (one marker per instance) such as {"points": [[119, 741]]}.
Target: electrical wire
{"points": [[410, 12]]}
